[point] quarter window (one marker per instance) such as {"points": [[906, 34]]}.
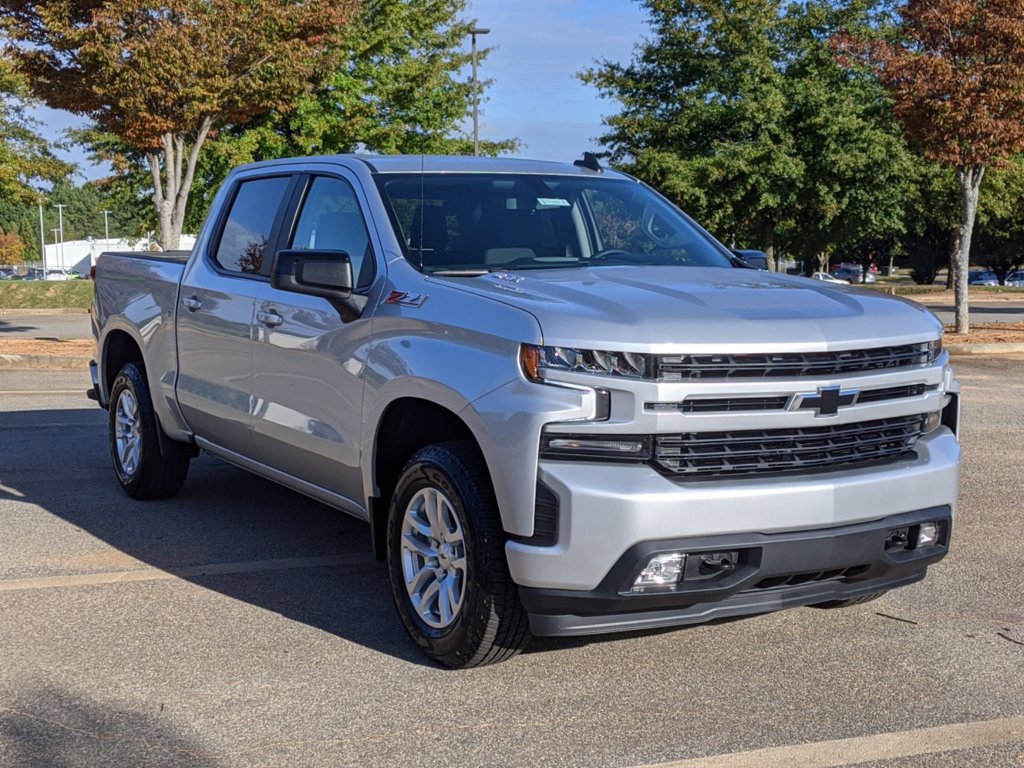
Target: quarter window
{"points": [[246, 236]]}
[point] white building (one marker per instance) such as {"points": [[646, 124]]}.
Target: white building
{"points": [[79, 256]]}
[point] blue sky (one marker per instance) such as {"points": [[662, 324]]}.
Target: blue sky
{"points": [[539, 46]]}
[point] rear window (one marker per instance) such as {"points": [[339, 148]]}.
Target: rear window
{"points": [[246, 234]]}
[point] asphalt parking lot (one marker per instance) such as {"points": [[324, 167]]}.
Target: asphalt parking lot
{"points": [[243, 625]]}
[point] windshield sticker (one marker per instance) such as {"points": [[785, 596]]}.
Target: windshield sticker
{"points": [[552, 202]]}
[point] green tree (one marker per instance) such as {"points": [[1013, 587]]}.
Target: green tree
{"points": [[161, 76], [400, 88], [738, 110], [702, 113], [1000, 236], [858, 172]]}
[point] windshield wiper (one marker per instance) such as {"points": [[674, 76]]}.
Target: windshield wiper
{"points": [[460, 272]]}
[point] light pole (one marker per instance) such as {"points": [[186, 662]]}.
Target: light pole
{"points": [[106, 228], [42, 238], [60, 225], [476, 91]]}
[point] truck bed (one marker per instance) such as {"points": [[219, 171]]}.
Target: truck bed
{"points": [[137, 292]]}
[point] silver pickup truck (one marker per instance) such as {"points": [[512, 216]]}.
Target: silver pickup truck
{"points": [[562, 406]]}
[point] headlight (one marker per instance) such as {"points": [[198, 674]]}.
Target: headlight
{"points": [[934, 349], [535, 359]]}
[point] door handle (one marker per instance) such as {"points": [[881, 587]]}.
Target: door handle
{"points": [[271, 319], [193, 303]]}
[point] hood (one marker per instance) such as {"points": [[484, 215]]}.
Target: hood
{"points": [[664, 309]]}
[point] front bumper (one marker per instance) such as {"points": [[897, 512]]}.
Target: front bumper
{"points": [[605, 509], [771, 572]]}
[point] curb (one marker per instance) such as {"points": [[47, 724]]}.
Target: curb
{"points": [[45, 362], [956, 350]]}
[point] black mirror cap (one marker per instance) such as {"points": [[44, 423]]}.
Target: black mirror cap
{"points": [[313, 272]]}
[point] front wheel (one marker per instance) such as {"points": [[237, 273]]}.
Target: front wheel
{"points": [[446, 560], [142, 471]]}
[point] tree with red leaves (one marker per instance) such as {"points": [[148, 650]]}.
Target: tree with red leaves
{"points": [[957, 79]]}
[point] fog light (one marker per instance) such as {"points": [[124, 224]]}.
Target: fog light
{"points": [[661, 571], [927, 535]]}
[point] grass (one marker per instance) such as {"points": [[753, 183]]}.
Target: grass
{"points": [[45, 294]]}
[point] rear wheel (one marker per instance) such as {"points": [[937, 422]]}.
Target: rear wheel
{"points": [[134, 445], [446, 560]]}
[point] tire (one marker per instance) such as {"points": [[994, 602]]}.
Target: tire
{"points": [[848, 603], [461, 606], [141, 469]]}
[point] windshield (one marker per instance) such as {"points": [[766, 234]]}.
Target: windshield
{"points": [[476, 223]]}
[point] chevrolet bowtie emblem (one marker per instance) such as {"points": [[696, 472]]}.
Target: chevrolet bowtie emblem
{"points": [[827, 401]]}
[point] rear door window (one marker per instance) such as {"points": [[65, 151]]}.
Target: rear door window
{"points": [[245, 239]]}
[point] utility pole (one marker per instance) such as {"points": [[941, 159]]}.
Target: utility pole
{"points": [[55, 231], [60, 225], [476, 92], [106, 228]]}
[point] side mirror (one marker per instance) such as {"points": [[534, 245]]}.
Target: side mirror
{"points": [[317, 273]]}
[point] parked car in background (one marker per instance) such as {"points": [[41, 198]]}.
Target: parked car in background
{"points": [[852, 274], [1015, 279], [754, 258], [982, 277], [825, 277]]}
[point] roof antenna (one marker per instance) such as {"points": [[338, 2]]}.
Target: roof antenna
{"points": [[590, 162]]}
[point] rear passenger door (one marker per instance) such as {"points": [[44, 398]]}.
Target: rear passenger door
{"points": [[308, 361], [216, 311]]}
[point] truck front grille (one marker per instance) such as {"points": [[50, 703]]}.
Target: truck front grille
{"points": [[762, 451], [792, 364], [704, 404]]}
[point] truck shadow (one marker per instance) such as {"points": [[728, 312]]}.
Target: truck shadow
{"points": [[58, 460]]}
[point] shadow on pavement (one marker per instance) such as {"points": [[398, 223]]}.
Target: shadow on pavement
{"points": [[8, 327], [76, 732], [58, 460]]}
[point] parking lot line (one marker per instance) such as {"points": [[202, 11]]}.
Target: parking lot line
{"points": [[159, 574], [40, 392], [863, 749]]}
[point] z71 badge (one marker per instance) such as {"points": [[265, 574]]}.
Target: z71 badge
{"points": [[406, 299]]}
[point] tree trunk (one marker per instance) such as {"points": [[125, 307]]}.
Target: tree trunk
{"points": [[768, 242], [173, 173], [970, 181]]}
